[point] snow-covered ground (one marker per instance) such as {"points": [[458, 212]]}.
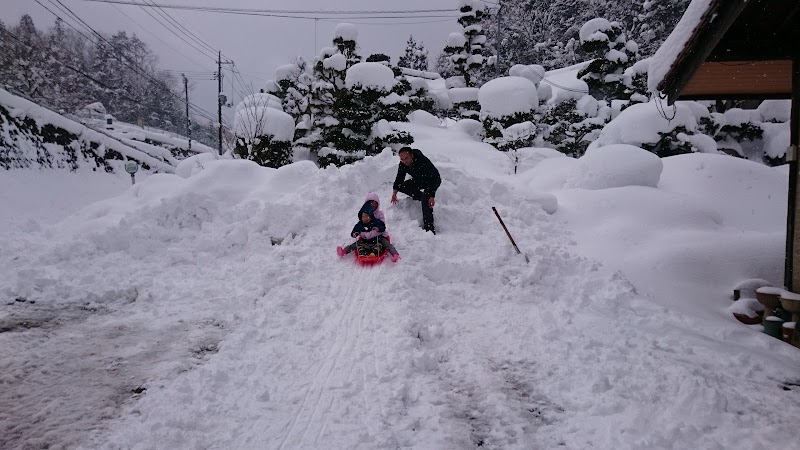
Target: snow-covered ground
{"points": [[213, 312]]}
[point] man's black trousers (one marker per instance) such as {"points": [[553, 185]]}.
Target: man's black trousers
{"points": [[410, 188]]}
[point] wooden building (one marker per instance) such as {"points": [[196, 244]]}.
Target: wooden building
{"points": [[742, 49]]}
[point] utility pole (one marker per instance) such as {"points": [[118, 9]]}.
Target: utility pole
{"points": [[497, 43], [188, 121], [219, 101]]}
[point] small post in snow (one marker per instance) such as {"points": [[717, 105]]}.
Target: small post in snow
{"points": [[132, 167], [525, 255]]}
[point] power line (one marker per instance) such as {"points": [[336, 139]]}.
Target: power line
{"points": [[277, 11], [156, 36], [202, 52], [181, 28]]}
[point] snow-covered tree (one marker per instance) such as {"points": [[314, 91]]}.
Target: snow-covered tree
{"points": [[362, 112], [612, 52], [264, 133], [292, 85], [329, 92], [465, 48], [415, 55]]}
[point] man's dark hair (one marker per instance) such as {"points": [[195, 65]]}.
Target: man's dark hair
{"points": [[405, 150]]}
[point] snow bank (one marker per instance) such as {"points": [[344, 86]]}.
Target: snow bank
{"points": [[616, 166]]}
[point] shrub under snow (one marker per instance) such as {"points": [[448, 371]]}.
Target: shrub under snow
{"points": [[507, 96], [615, 166]]}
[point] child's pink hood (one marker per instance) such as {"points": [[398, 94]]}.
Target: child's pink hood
{"points": [[377, 213]]}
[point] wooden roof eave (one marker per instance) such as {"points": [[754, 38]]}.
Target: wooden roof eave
{"points": [[712, 27]]}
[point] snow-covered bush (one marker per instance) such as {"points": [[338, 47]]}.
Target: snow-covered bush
{"points": [[508, 105], [615, 166], [465, 102], [264, 135], [644, 125]]}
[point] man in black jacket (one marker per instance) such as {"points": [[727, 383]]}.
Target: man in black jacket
{"points": [[422, 186]]}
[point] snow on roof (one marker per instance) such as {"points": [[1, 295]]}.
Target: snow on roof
{"points": [[506, 96], [370, 75], [667, 55], [346, 31], [259, 121]]}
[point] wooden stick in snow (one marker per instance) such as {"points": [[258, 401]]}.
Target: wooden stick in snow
{"points": [[509, 235]]}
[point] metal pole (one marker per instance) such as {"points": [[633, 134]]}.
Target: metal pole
{"points": [[791, 157], [497, 43], [188, 122], [219, 101], [509, 235]]}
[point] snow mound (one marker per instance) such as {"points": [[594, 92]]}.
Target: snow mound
{"points": [[616, 166], [506, 96], [470, 127], [370, 75], [193, 164]]}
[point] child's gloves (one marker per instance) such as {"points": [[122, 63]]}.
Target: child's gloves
{"points": [[355, 234]]}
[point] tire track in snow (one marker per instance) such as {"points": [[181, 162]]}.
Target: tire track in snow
{"points": [[309, 422]]}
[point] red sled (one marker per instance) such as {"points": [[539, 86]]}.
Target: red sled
{"points": [[370, 251]]}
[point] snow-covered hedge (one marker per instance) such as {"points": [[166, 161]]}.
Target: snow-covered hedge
{"points": [[34, 136]]}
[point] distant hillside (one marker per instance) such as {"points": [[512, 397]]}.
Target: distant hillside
{"points": [[32, 136]]}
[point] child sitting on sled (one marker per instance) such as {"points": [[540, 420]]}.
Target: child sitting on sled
{"points": [[369, 227]]}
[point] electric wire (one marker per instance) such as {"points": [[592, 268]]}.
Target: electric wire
{"points": [[279, 11], [158, 38]]}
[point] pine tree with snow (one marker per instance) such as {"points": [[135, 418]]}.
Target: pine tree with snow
{"points": [[415, 55], [292, 85], [328, 139], [465, 48], [612, 52]]}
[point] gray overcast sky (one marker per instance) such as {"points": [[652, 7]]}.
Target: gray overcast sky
{"points": [[257, 44]]}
